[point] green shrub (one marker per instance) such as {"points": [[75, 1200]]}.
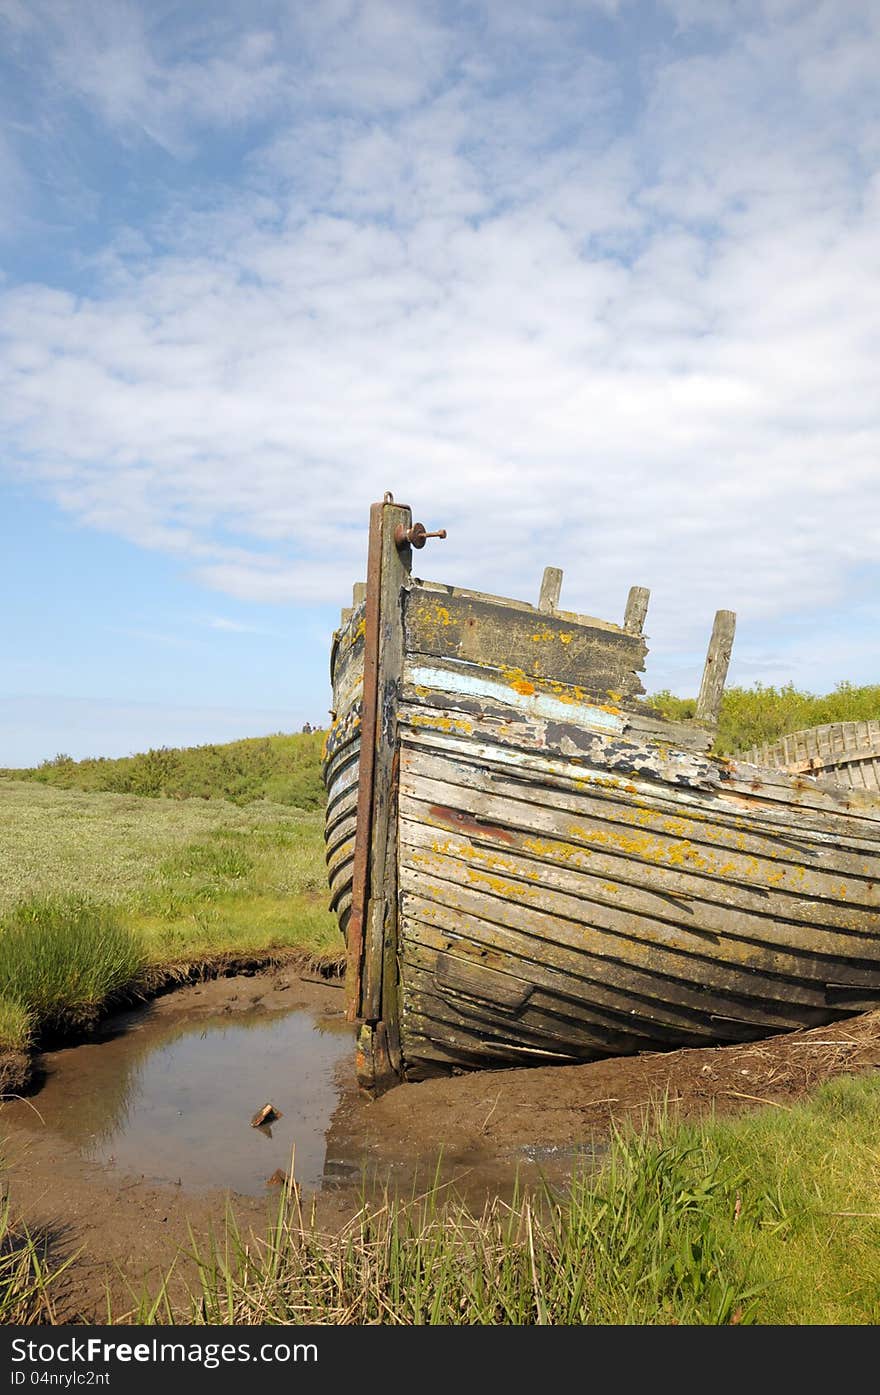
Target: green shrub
{"points": [[280, 768], [753, 716], [62, 958]]}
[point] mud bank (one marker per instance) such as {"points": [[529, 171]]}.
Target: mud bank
{"points": [[20, 1069], [491, 1127]]}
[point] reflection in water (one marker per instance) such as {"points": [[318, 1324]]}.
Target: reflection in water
{"points": [[173, 1103], [171, 1100]]}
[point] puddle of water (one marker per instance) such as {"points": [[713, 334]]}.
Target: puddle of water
{"points": [[171, 1099], [173, 1102]]}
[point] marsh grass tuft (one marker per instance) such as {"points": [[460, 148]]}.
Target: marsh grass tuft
{"points": [[637, 1244], [26, 1275], [16, 1026], [61, 958]]}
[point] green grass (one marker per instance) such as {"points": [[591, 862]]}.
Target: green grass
{"points": [[16, 1026], [633, 1246], [281, 769], [61, 959], [809, 1227], [26, 1276], [752, 716], [186, 880], [768, 1218]]}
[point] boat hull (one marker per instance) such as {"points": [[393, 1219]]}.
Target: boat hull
{"points": [[846, 752], [531, 866], [559, 908]]}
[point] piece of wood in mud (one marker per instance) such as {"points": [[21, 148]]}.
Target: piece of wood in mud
{"points": [[267, 1115]]}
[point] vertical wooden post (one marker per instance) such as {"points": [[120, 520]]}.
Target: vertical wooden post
{"points": [[715, 670], [636, 609], [358, 593], [372, 931], [551, 585]]}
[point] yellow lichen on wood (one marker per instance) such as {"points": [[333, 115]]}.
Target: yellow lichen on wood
{"points": [[436, 722]]}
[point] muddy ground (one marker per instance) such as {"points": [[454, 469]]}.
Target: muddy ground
{"points": [[490, 1127]]}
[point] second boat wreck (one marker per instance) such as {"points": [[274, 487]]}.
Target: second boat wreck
{"points": [[530, 865]]}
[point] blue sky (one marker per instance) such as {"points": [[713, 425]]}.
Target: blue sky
{"points": [[592, 284]]}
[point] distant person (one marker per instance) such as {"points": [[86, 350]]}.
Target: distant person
{"points": [[307, 727]]}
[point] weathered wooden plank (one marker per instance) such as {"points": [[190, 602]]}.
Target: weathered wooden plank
{"points": [[475, 702], [706, 906], [674, 782], [441, 589], [626, 808], [551, 588], [657, 949], [357, 922], [434, 1013], [475, 980], [636, 609], [617, 836], [439, 1007], [477, 689], [571, 990], [534, 644], [717, 664], [579, 1021], [396, 563]]}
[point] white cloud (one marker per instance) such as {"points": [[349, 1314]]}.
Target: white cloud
{"points": [[630, 332]]}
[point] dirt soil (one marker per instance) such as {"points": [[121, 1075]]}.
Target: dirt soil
{"points": [[490, 1126]]}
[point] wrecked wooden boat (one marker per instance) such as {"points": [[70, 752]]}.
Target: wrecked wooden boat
{"points": [[530, 865], [846, 752]]}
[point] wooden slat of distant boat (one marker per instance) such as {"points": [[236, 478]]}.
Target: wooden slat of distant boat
{"points": [[491, 634], [703, 906], [575, 987], [802, 792], [823, 747], [635, 828], [771, 795], [637, 941]]}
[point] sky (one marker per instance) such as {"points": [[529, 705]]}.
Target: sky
{"points": [[590, 283]]}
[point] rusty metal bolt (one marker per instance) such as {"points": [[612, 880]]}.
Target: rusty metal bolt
{"points": [[416, 536]]}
